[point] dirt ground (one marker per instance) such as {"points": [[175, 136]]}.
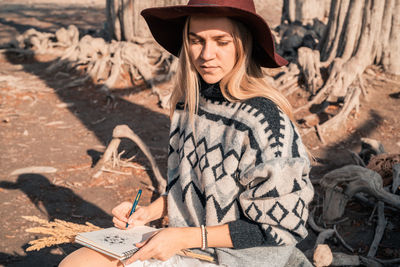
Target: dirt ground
{"points": [[44, 124]]}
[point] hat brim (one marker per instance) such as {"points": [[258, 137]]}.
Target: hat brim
{"points": [[166, 25]]}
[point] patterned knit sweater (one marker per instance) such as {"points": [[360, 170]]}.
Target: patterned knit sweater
{"points": [[244, 166]]}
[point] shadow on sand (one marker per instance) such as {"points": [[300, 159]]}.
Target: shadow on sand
{"points": [[100, 116], [54, 202]]}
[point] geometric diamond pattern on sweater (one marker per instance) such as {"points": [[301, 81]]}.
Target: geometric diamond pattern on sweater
{"points": [[219, 171], [253, 212], [203, 164], [221, 212], [271, 193], [238, 126], [198, 192], [296, 186], [235, 165], [298, 209], [193, 158], [277, 212]]}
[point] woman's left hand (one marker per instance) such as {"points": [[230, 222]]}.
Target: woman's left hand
{"points": [[162, 245]]}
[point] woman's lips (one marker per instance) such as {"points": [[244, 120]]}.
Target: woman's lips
{"points": [[208, 68]]}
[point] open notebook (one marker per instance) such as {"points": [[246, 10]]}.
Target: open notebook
{"points": [[114, 242]]}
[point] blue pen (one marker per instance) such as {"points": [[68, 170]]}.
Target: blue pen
{"points": [[134, 205]]}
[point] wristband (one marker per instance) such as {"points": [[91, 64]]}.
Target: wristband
{"points": [[204, 243]]}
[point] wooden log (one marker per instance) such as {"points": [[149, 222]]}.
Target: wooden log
{"points": [[322, 256], [342, 259]]}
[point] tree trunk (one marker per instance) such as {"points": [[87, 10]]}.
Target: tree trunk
{"points": [[390, 52], [304, 11], [359, 33], [124, 21]]}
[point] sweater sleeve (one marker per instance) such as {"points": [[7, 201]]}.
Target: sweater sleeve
{"points": [[277, 189], [245, 234]]}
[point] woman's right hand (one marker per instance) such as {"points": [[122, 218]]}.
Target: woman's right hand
{"points": [[121, 212]]}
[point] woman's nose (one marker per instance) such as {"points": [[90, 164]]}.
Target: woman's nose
{"points": [[208, 51]]}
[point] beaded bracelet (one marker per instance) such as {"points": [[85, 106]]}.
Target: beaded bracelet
{"points": [[204, 243]]}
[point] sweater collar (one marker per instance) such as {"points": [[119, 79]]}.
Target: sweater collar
{"points": [[211, 91]]}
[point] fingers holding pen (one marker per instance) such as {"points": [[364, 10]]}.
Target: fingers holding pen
{"points": [[121, 217], [121, 213], [139, 217], [119, 224]]}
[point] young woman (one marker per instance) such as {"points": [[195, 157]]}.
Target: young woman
{"points": [[238, 187]]}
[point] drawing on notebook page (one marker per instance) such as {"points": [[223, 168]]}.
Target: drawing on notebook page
{"points": [[114, 239]]}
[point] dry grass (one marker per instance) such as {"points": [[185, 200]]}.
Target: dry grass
{"points": [[57, 232]]}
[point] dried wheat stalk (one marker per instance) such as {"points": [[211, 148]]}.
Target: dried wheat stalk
{"points": [[58, 232]]}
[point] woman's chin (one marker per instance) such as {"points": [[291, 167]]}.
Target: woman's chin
{"points": [[210, 79]]}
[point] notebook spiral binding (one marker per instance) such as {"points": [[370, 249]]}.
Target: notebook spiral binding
{"points": [[129, 253]]}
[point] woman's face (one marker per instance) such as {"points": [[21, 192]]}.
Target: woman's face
{"points": [[211, 47]]}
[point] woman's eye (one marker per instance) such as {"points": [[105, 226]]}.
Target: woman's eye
{"points": [[194, 41], [223, 43]]}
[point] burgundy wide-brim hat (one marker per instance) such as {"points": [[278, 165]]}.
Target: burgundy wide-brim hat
{"points": [[167, 23]]}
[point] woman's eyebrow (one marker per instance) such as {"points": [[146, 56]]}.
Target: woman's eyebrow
{"points": [[194, 36], [220, 36]]}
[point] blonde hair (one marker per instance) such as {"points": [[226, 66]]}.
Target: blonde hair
{"points": [[243, 82]]}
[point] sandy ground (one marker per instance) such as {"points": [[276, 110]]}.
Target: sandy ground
{"points": [[33, 3], [44, 124]]}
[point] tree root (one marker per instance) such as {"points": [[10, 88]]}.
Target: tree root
{"points": [[396, 178], [323, 236], [313, 225], [356, 158], [111, 154], [342, 240], [388, 262], [342, 184], [357, 35], [103, 63], [323, 256], [351, 101], [310, 67], [288, 78], [380, 229]]}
